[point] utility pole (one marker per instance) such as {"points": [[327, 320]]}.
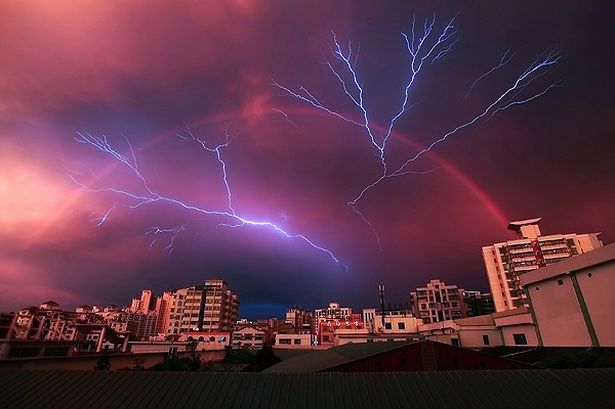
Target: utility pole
{"points": [[381, 291]]}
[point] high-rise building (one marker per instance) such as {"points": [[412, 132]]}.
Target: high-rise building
{"points": [[144, 304], [478, 303], [506, 260], [437, 302], [299, 318], [147, 301], [221, 307], [141, 325], [209, 307], [163, 311]]}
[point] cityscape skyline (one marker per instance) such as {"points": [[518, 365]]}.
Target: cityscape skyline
{"points": [[288, 163]]}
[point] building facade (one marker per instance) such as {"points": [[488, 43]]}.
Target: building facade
{"points": [[572, 302], [507, 260], [478, 303], [437, 302], [513, 328], [209, 307], [163, 312], [330, 318]]}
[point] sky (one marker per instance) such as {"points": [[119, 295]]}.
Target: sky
{"points": [[141, 75]]}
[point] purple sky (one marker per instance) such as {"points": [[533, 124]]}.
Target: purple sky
{"points": [[144, 73]]}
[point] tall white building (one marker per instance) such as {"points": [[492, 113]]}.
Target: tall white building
{"points": [[209, 307], [506, 260]]}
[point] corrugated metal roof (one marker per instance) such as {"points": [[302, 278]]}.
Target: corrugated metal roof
{"points": [[591, 388], [332, 357]]}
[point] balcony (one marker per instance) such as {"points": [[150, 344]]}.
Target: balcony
{"points": [[545, 247], [529, 267], [553, 256], [524, 258]]}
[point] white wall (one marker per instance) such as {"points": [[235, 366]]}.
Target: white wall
{"points": [[598, 294], [557, 313]]}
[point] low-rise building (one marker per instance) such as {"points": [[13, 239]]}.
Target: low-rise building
{"points": [[506, 328], [252, 336], [294, 340], [572, 301]]}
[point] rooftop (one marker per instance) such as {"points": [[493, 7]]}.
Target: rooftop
{"points": [[599, 256], [577, 388], [517, 225]]}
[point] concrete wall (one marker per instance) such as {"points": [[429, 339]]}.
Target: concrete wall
{"points": [[472, 337], [508, 335], [305, 341], [557, 313], [597, 284], [87, 363]]}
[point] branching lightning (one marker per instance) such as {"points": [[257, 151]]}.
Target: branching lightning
{"points": [[149, 196], [173, 231], [424, 47], [503, 61]]}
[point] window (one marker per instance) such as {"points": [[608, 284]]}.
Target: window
{"points": [[560, 282], [297, 341], [387, 325], [485, 339], [401, 325], [284, 342], [520, 339], [455, 342]]}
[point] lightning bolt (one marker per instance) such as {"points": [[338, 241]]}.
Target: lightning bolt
{"points": [[136, 200], [502, 102], [423, 47], [503, 61], [173, 231], [420, 49]]}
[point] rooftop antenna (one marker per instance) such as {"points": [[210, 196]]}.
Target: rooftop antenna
{"points": [[381, 291]]}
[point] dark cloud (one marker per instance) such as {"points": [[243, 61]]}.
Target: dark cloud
{"points": [[147, 71]]}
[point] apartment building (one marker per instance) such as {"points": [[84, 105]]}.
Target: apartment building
{"points": [[437, 302], [506, 261], [208, 307]]}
